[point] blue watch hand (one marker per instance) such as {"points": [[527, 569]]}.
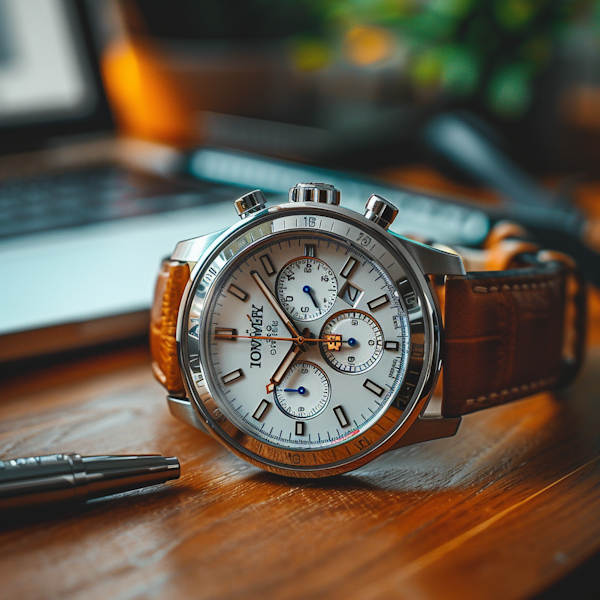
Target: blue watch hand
{"points": [[300, 390], [307, 289]]}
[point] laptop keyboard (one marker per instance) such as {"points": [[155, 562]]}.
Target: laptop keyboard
{"points": [[84, 197]]}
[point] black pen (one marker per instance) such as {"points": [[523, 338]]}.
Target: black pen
{"points": [[71, 477]]}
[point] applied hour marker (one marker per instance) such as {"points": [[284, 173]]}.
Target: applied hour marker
{"points": [[225, 333], [267, 264], [392, 346], [259, 413], [373, 387], [241, 294], [341, 416], [233, 376], [378, 302], [299, 428], [347, 268], [309, 250]]}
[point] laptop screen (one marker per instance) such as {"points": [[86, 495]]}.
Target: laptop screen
{"points": [[49, 79]]}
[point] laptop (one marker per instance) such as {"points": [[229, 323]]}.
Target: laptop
{"points": [[85, 217]]}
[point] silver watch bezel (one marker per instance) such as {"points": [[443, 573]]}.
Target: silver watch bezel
{"points": [[416, 389]]}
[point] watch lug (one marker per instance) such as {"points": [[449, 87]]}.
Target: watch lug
{"points": [[182, 409], [425, 429], [191, 250], [432, 260]]}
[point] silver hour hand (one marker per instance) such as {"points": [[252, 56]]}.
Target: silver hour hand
{"points": [[288, 360], [283, 368], [274, 303]]}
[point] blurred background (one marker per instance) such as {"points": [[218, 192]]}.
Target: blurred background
{"points": [[127, 125], [350, 82], [345, 79]]}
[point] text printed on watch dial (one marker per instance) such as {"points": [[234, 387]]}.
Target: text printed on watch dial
{"points": [[307, 340]]}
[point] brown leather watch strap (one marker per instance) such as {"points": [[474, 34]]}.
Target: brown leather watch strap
{"points": [[510, 334], [172, 279]]}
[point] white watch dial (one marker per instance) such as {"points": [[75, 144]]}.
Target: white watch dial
{"points": [[255, 363]]}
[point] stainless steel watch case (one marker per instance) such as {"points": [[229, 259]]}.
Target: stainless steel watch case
{"points": [[209, 255]]}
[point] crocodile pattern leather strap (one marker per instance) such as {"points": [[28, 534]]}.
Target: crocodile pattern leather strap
{"points": [[510, 334], [172, 279]]}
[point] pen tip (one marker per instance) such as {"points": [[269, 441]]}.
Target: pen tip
{"points": [[173, 466]]}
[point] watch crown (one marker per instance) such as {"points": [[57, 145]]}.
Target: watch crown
{"points": [[249, 203], [315, 192], [380, 211]]}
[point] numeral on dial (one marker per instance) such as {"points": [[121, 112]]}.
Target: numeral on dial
{"points": [[408, 294]]}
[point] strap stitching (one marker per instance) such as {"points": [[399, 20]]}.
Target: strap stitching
{"points": [[516, 287], [526, 388]]}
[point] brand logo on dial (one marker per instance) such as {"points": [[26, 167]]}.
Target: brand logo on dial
{"points": [[257, 329]]}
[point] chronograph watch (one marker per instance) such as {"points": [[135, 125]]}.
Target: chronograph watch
{"points": [[309, 339]]}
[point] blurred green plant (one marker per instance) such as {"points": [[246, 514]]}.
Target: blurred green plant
{"points": [[492, 53], [488, 51]]}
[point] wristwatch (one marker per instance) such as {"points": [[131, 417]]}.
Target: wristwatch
{"points": [[308, 338]]}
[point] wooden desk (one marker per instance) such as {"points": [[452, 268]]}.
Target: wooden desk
{"points": [[502, 510]]}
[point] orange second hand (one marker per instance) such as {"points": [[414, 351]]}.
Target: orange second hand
{"points": [[254, 337], [270, 337]]}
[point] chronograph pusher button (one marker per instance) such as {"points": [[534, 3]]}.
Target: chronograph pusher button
{"points": [[249, 203], [380, 211]]}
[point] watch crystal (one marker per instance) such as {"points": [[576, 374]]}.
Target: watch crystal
{"points": [[305, 339]]}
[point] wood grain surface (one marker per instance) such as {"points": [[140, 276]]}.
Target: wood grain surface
{"points": [[502, 510]]}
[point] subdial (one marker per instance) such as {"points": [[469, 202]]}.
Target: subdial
{"points": [[304, 391], [306, 288], [362, 342]]}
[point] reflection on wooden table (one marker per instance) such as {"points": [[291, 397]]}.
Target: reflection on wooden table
{"points": [[502, 510]]}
